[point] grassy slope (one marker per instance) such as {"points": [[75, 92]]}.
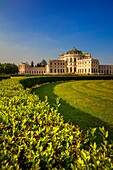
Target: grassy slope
{"points": [[86, 103]]}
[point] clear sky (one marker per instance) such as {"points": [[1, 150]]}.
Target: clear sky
{"points": [[43, 29]]}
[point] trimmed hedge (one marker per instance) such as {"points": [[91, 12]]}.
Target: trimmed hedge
{"points": [[4, 77], [32, 81]]}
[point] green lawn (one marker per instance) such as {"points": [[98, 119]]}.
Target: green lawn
{"points": [[86, 103]]}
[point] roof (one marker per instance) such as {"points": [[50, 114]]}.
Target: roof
{"points": [[73, 51]]}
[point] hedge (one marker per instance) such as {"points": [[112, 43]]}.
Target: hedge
{"points": [[4, 77], [34, 136], [32, 81]]}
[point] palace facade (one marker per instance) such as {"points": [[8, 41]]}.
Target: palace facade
{"points": [[73, 62], [25, 68]]}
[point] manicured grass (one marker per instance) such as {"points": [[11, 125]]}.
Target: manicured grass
{"points": [[86, 103]]}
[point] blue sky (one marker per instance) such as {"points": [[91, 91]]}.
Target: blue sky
{"points": [[43, 29]]}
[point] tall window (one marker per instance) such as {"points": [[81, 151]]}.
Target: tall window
{"points": [[70, 59], [70, 69], [74, 69]]}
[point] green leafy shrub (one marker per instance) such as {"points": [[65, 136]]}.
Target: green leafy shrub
{"points": [[34, 135]]}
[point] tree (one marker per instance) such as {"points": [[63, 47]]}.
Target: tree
{"points": [[32, 64], [38, 65], [8, 68], [1, 69], [43, 63]]}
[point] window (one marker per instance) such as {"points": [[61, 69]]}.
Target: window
{"points": [[70, 59], [67, 70], [70, 69]]}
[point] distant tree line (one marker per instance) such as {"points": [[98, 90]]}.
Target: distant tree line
{"points": [[43, 63], [8, 68]]}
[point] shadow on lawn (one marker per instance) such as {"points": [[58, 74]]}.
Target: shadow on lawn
{"points": [[75, 115]]}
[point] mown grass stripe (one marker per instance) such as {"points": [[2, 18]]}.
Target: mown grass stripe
{"points": [[83, 102]]}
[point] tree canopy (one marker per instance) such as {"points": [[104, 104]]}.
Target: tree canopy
{"points": [[8, 68], [32, 64], [43, 63]]}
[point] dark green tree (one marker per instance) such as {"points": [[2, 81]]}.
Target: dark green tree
{"points": [[1, 69], [32, 64], [8, 68], [43, 63], [38, 65]]}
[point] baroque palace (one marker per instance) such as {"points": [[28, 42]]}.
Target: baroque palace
{"points": [[73, 62]]}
